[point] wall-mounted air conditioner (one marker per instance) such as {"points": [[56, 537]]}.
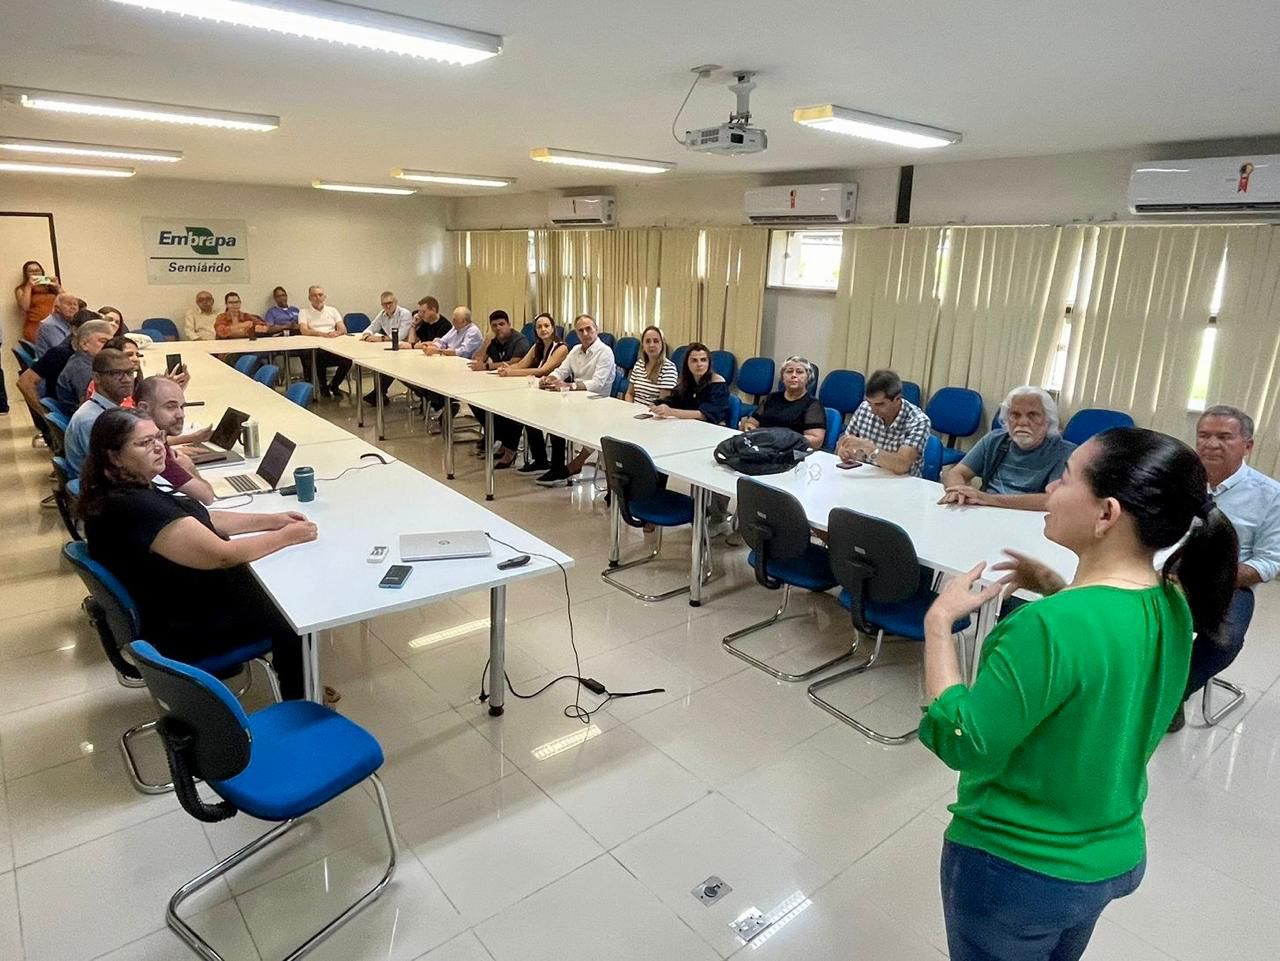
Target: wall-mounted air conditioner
{"points": [[802, 204], [1215, 185], [594, 211]]}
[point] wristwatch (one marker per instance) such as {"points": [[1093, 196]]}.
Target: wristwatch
{"points": [[872, 457]]}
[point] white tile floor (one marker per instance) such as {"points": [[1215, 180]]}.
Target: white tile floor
{"points": [[592, 851]]}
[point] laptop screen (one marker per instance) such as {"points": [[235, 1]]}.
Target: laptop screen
{"points": [[276, 460], [228, 429]]}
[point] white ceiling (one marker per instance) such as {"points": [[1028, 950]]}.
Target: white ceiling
{"points": [[1017, 78]]}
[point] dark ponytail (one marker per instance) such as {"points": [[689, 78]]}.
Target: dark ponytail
{"points": [[1161, 484]]}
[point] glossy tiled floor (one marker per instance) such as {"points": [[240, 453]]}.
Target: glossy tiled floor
{"points": [[536, 838]]}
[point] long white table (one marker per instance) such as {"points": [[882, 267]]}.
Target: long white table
{"points": [[329, 582]]}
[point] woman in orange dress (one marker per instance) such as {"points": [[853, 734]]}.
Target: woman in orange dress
{"points": [[35, 300]]}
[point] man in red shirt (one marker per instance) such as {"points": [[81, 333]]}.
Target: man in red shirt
{"points": [[162, 400]]}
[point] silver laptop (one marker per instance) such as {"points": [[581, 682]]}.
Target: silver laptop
{"points": [[443, 545], [266, 478]]}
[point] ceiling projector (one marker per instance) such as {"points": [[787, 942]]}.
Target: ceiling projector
{"points": [[735, 137]]}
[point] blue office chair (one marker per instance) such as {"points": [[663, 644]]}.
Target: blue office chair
{"points": [[66, 492], [115, 617], [1093, 420], [886, 591], [530, 332], [356, 323], [268, 375], [773, 524], [571, 339], [755, 377], [279, 764], [911, 391], [25, 354], [626, 352], [300, 393], [724, 363], [931, 466], [247, 364], [620, 383], [639, 498], [956, 412], [677, 358], [161, 328], [58, 422], [834, 423], [997, 422], [608, 339], [842, 390], [738, 409]]}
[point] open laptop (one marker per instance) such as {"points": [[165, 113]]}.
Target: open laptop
{"points": [[225, 435], [443, 545], [267, 478]]}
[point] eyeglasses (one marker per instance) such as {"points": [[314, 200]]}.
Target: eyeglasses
{"points": [[126, 372], [153, 440], [388, 303]]}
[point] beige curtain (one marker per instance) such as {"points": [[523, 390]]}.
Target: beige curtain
{"points": [[461, 271], [610, 274], [1003, 293], [498, 274], [886, 309], [1139, 317], [1247, 354], [680, 313], [733, 289]]}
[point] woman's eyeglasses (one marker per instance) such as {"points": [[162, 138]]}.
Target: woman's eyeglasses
{"points": [[154, 440]]}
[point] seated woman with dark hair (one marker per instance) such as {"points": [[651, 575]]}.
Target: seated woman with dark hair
{"points": [[794, 407], [191, 582], [700, 393]]}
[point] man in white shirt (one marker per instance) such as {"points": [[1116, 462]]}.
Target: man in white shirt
{"points": [[321, 320], [589, 367], [1251, 501], [391, 317], [197, 324]]}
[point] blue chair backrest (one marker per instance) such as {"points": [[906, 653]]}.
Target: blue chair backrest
{"points": [[246, 364], [571, 339], [55, 414], [834, 423], [843, 390], [267, 374], [620, 383], [817, 379], [356, 323], [300, 393], [608, 339], [755, 378], [931, 469], [123, 622], [911, 391], [955, 411], [724, 363], [626, 352], [160, 328], [1093, 420], [677, 358], [738, 409], [25, 353], [996, 422], [530, 332]]}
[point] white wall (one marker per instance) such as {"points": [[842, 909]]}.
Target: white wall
{"points": [[355, 246]]}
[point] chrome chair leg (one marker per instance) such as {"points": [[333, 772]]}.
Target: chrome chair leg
{"points": [[878, 736], [607, 575], [727, 643], [1212, 717], [207, 951]]}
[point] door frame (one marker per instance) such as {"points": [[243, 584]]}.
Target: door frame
{"points": [[53, 234]]}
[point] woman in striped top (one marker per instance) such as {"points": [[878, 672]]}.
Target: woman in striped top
{"points": [[654, 376]]}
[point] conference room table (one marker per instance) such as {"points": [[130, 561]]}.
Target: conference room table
{"points": [[364, 497]]}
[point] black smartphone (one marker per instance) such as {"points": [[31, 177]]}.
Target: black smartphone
{"points": [[848, 464], [172, 363], [645, 416], [396, 575]]}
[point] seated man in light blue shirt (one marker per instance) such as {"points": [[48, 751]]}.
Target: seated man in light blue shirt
{"points": [[392, 317], [1251, 501], [463, 341], [1016, 463], [56, 328], [113, 377]]}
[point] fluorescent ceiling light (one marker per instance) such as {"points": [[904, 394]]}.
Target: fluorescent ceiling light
{"points": [[456, 180], [121, 109], [363, 188], [578, 158], [104, 151], [870, 126], [70, 170], [341, 23]]}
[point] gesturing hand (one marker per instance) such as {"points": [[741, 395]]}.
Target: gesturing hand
{"points": [[1028, 574], [958, 598]]}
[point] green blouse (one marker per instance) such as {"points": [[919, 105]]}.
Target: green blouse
{"points": [[1072, 696]]}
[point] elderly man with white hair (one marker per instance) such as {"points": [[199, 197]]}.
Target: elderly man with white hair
{"points": [[1017, 463]]}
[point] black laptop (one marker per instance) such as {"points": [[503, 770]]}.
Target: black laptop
{"points": [[225, 435]]}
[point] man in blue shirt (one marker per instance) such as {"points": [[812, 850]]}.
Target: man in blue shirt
{"points": [[113, 376], [56, 328], [280, 318], [1016, 463], [1251, 501], [74, 379]]}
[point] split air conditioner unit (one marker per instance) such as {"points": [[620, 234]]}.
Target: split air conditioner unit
{"points": [[1216, 185], [594, 211], [802, 204]]}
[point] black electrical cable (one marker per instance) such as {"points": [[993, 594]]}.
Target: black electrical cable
{"points": [[250, 495]]}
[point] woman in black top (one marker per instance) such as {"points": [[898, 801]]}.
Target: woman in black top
{"points": [[545, 356], [794, 407], [192, 586], [700, 394]]}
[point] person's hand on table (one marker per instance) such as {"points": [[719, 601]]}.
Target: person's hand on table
{"points": [[478, 363], [748, 423], [430, 349], [964, 495], [958, 598], [261, 329], [504, 370], [368, 336], [550, 382], [662, 410], [850, 449], [1027, 573], [299, 532]]}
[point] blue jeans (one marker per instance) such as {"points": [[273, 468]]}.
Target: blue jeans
{"points": [[1211, 654], [998, 911]]}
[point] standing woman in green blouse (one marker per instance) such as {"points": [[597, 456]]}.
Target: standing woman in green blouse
{"points": [[1071, 698]]}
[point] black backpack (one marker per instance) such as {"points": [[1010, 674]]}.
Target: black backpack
{"points": [[766, 450]]}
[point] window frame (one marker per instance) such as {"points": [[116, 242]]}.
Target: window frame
{"points": [[780, 242]]}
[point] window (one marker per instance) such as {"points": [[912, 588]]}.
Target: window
{"points": [[1058, 368], [1199, 398], [807, 259]]}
